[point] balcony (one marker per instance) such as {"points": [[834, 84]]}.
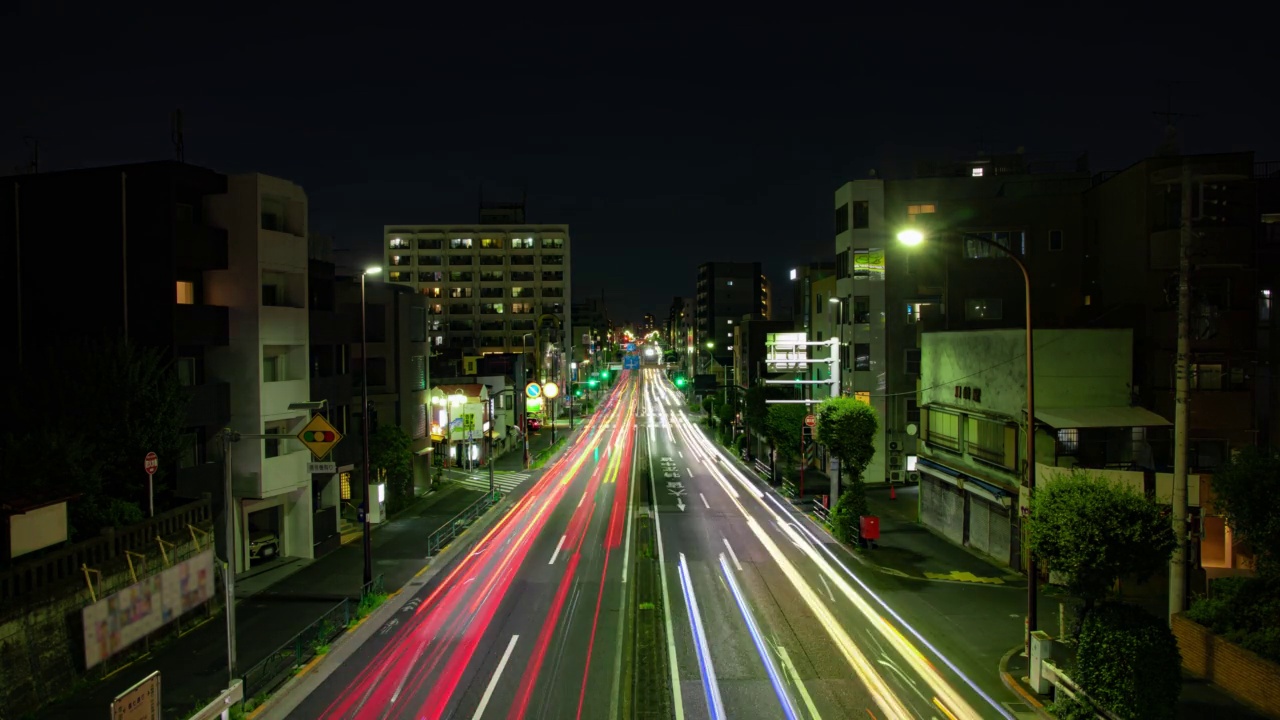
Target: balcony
{"points": [[200, 325], [195, 481], [277, 396], [282, 325], [200, 247], [208, 405]]}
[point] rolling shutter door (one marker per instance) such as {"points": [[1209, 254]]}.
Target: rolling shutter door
{"points": [[979, 524], [1001, 533], [942, 507]]}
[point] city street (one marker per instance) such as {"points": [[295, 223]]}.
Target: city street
{"points": [[529, 622]]}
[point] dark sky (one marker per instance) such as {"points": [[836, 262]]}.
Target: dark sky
{"points": [[662, 145]]}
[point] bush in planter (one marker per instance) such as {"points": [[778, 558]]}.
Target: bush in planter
{"points": [[1128, 661], [850, 507], [1243, 610]]}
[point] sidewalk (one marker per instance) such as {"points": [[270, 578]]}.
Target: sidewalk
{"points": [[907, 548], [194, 667]]}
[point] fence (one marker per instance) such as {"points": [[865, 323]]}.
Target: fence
{"points": [[821, 511], [452, 529], [272, 671], [55, 572]]}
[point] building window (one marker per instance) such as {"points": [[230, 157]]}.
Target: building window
{"points": [[861, 215], [461, 260], [922, 209], [1055, 241], [912, 365], [552, 259], [861, 309], [492, 243], [430, 244], [377, 371], [1013, 240], [274, 447], [186, 367], [460, 243], [842, 264], [186, 293], [842, 218], [1264, 307], [941, 428], [522, 243], [398, 244], [1068, 441], [992, 441], [1206, 377], [433, 276], [913, 411], [1206, 454], [552, 243], [461, 276], [429, 260], [983, 309], [460, 292], [401, 260], [862, 356]]}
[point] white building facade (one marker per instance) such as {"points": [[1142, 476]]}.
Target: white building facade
{"points": [[488, 285], [266, 361]]}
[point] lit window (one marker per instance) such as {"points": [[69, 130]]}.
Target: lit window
{"points": [[344, 483], [186, 293], [922, 209], [977, 172], [728, 322]]}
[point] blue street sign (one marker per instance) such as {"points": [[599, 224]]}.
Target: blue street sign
{"points": [[631, 362], [533, 390], [631, 347]]}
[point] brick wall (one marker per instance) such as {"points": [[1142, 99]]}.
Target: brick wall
{"points": [[1246, 676]]}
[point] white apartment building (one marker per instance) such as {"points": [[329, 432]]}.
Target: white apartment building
{"points": [[266, 360], [488, 285]]}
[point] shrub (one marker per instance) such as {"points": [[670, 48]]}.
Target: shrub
{"points": [[851, 506], [1128, 661], [1243, 610], [1068, 708]]}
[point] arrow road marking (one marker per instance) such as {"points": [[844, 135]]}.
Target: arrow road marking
{"points": [[828, 587], [680, 504]]}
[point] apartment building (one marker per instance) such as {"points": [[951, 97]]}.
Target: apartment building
{"points": [[152, 248], [489, 283], [891, 293], [727, 292], [266, 361]]}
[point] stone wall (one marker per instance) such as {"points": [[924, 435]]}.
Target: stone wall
{"points": [[1244, 674]]}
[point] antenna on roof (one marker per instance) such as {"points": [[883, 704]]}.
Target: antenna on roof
{"points": [[175, 134], [1171, 142]]}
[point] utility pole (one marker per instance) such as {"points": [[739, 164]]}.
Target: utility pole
{"points": [[1182, 392]]}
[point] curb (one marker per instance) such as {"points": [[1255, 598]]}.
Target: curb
{"points": [[289, 695], [1012, 683]]}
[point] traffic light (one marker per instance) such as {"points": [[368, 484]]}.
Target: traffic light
{"points": [[604, 373], [680, 381]]}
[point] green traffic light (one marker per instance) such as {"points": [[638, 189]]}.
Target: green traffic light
{"points": [[680, 382]]}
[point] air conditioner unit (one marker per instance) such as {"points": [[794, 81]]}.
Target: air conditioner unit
{"points": [[913, 477], [895, 476], [895, 446], [895, 460]]}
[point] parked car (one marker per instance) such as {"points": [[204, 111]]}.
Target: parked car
{"points": [[263, 545], [534, 424]]}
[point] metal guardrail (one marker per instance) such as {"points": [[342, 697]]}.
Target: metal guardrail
{"points": [[789, 490], [452, 529], [762, 468], [821, 512], [273, 670]]}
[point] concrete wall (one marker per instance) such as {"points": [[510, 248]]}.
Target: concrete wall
{"points": [[1074, 368]]}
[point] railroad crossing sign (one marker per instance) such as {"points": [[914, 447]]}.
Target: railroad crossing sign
{"points": [[551, 390], [319, 436], [533, 390], [810, 420], [151, 463]]}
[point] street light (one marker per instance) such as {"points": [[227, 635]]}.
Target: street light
{"points": [[524, 404], [913, 237], [364, 420]]}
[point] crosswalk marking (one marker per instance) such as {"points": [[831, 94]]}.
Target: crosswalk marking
{"points": [[504, 480]]}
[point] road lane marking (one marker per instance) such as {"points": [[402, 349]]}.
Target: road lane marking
{"points": [[790, 668], [704, 501], [709, 683], [757, 639], [828, 587], [681, 454], [583, 498], [732, 554], [493, 682], [676, 695], [556, 554], [689, 470]]}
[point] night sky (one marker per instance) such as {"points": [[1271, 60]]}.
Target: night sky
{"points": [[662, 145]]}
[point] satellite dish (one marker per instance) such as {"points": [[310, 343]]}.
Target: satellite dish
{"points": [[912, 429]]}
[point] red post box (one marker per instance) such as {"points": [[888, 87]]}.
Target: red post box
{"points": [[869, 527]]}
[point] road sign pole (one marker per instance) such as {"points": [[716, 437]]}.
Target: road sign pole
{"points": [[231, 548], [151, 495]]}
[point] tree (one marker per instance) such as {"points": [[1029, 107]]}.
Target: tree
{"points": [[847, 427], [391, 458], [1244, 492], [782, 428], [1095, 531], [849, 509], [1128, 661], [85, 427]]}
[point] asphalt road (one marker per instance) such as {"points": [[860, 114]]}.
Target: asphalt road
{"points": [[529, 623], [784, 626], [763, 615]]}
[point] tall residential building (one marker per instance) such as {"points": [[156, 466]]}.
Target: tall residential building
{"points": [[212, 270], [804, 299], [1268, 389], [727, 292], [887, 289], [487, 284], [648, 325], [266, 361]]}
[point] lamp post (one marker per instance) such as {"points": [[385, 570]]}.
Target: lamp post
{"points": [[524, 404], [364, 419], [912, 237]]}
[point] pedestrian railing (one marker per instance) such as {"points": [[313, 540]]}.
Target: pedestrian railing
{"points": [[452, 529], [277, 667], [789, 490], [821, 511]]}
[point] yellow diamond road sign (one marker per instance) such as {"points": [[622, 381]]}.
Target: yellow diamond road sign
{"points": [[319, 436]]}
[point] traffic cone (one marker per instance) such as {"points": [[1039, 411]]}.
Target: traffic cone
{"points": [[893, 491]]}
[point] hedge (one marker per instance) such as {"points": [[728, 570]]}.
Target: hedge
{"points": [[1128, 661]]}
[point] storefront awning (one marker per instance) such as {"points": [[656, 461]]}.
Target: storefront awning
{"points": [[1099, 417]]}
